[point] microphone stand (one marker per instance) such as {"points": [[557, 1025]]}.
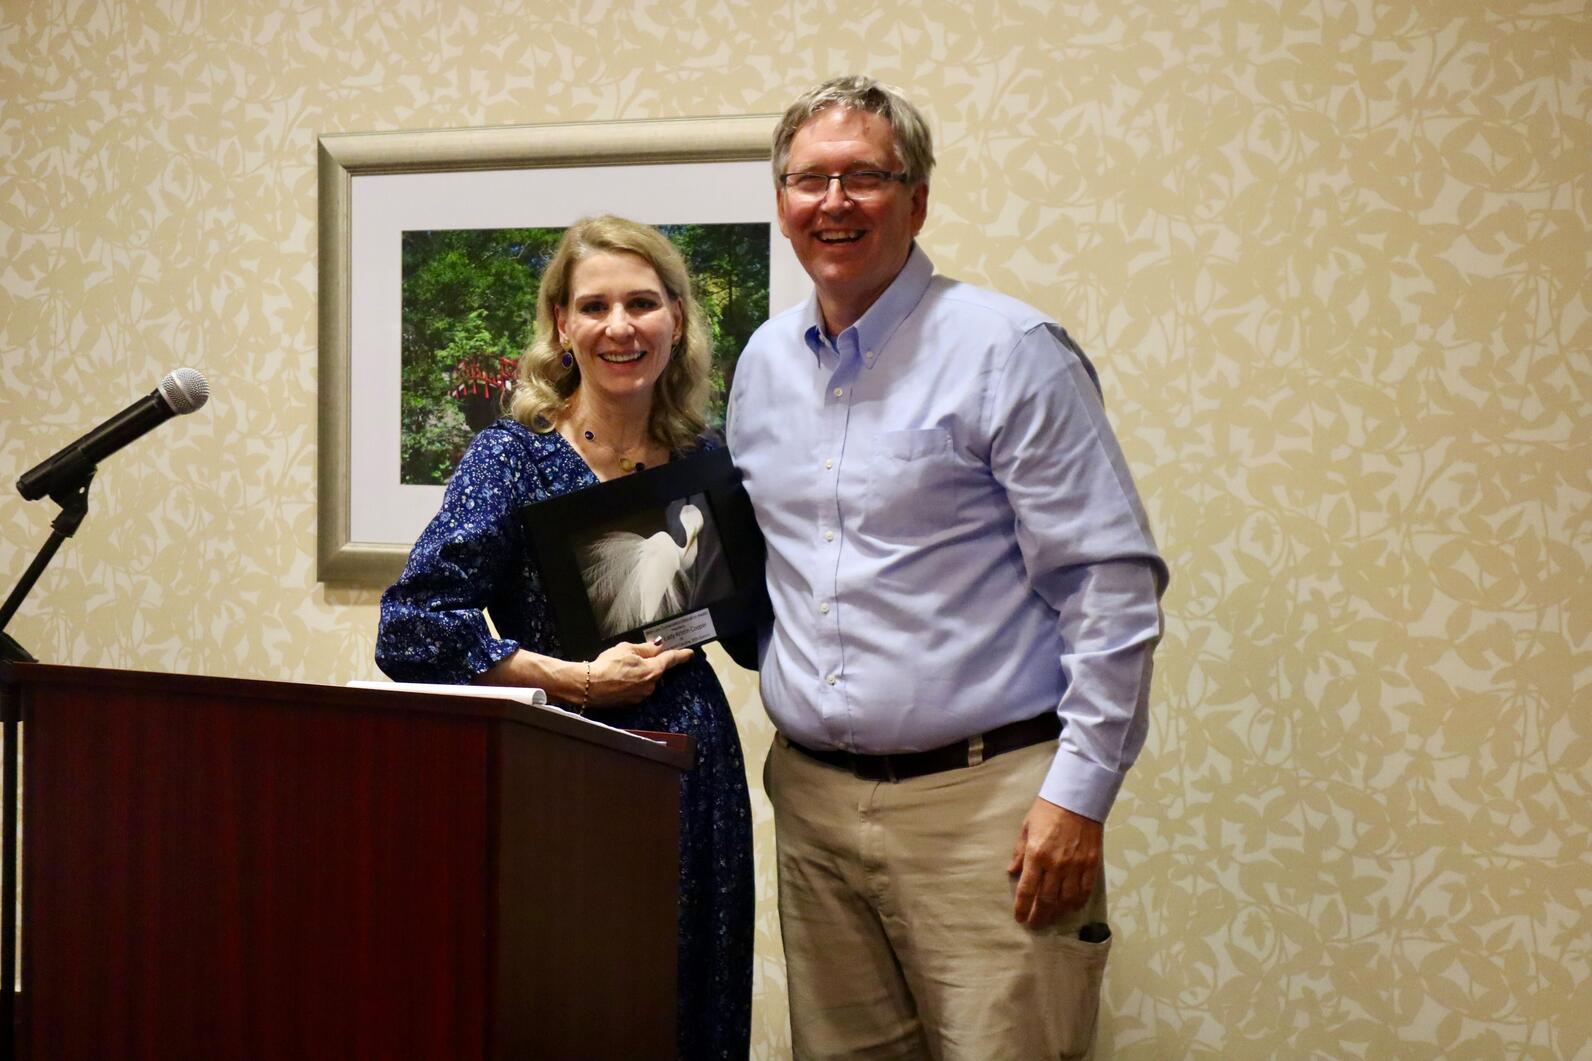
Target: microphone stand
{"points": [[70, 491]]}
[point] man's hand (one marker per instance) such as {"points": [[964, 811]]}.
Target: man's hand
{"points": [[1056, 862]]}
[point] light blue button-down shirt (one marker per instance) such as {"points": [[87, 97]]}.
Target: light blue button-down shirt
{"points": [[954, 540]]}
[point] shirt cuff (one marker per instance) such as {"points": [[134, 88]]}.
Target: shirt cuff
{"points": [[1081, 786], [489, 655]]}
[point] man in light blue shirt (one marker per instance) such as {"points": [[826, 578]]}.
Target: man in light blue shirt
{"points": [[965, 595]]}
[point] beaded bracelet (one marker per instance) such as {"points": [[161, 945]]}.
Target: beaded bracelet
{"points": [[585, 693]]}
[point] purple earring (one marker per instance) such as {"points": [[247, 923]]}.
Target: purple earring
{"points": [[568, 359]]}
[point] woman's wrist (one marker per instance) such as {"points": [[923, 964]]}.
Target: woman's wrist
{"points": [[564, 681], [577, 680]]}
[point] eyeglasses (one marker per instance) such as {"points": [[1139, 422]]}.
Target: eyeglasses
{"points": [[858, 184]]}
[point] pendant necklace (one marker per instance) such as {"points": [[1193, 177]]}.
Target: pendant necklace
{"points": [[626, 464]]}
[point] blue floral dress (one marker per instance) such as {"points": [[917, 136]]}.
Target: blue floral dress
{"points": [[474, 555]]}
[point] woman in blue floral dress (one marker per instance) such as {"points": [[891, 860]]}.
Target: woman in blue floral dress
{"points": [[616, 380]]}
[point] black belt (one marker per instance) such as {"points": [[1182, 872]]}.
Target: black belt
{"points": [[970, 752]]}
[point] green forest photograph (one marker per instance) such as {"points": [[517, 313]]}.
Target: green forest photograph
{"points": [[469, 308]]}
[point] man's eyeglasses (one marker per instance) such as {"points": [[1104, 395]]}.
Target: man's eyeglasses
{"points": [[858, 184]]}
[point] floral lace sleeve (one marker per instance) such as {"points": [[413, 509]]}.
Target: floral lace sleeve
{"points": [[432, 626]]}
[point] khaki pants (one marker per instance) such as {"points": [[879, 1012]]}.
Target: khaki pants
{"points": [[896, 911]]}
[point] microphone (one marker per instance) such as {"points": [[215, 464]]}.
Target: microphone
{"points": [[179, 393]]}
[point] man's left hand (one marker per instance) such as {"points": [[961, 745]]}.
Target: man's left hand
{"points": [[1056, 862]]}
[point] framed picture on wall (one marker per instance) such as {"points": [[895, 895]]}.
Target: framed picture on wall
{"points": [[431, 245]]}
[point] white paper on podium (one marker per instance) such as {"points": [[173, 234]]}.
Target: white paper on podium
{"points": [[519, 694]]}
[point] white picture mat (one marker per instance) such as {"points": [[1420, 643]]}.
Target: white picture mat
{"points": [[384, 206]]}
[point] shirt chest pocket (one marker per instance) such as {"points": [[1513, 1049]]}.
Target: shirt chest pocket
{"points": [[915, 485]]}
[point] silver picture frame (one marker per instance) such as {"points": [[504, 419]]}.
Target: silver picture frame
{"points": [[344, 158]]}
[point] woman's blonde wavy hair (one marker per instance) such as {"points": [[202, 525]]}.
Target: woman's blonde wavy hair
{"points": [[543, 386]]}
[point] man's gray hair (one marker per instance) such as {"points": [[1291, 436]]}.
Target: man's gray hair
{"points": [[913, 145]]}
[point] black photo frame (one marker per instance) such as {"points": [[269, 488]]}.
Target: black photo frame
{"points": [[562, 532]]}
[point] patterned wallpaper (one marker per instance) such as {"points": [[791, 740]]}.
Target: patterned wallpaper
{"points": [[1332, 260]]}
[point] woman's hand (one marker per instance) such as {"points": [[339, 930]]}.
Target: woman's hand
{"points": [[627, 673], [623, 675]]}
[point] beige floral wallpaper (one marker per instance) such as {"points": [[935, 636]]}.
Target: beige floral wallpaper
{"points": [[1332, 259]]}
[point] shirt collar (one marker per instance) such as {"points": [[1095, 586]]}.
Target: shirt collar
{"points": [[881, 320]]}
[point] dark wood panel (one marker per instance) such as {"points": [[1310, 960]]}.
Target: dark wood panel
{"points": [[230, 865], [596, 816], [256, 869], [674, 750]]}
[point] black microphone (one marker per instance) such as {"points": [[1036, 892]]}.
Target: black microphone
{"points": [[179, 393]]}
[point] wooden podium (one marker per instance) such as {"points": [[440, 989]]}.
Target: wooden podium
{"points": [[216, 868]]}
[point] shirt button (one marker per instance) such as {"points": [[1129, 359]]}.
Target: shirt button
{"points": [[831, 679], [829, 536], [829, 463], [824, 608], [840, 392]]}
